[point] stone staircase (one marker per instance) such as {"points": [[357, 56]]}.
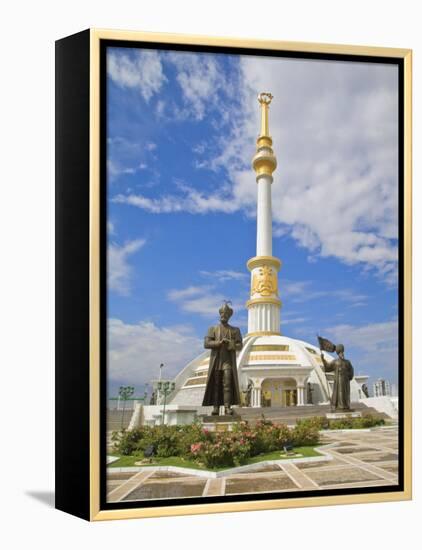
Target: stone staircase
{"points": [[289, 415], [114, 419]]}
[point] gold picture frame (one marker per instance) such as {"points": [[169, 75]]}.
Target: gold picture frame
{"points": [[92, 509]]}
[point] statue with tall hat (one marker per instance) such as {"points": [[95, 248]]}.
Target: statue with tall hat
{"points": [[224, 341]]}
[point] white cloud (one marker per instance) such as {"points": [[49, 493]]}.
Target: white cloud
{"points": [[334, 127], [288, 320], [200, 80], [188, 292], [139, 69], [371, 338], [303, 291], [118, 269], [111, 230], [160, 108], [191, 201], [199, 148], [123, 157], [223, 275], [203, 300], [136, 350], [375, 345], [335, 132]]}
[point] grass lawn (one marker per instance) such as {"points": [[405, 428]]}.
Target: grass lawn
{"points": [[126, 461]]}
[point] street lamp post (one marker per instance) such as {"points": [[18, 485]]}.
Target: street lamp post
{"points": [[145, 394], [165, 388], [158, 398], [125, 393]]}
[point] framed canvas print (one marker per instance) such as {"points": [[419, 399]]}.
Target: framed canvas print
{"points": [[233, 274]]}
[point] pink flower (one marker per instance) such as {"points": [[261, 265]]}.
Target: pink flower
{"points": [[195, 447]]}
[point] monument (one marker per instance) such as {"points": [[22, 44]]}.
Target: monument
{"points": [[272, 369], [222, 387]]}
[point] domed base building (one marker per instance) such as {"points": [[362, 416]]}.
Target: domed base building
{"points": [[273, 370]]}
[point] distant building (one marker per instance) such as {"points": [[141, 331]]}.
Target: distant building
{"points": [[381, 387]]}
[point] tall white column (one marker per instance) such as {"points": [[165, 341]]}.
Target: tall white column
{"points": [[264, 244], [256, 396], [264, 304], [300, 395]]}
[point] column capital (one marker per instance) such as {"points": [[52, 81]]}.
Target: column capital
{"points": [[259, 261]]}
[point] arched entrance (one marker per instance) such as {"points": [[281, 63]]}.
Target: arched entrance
{"points": [[279, 392]]}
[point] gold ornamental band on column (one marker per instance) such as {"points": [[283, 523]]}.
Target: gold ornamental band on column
{"points": [[262, 333], [259, 261], [275, 301], [264, 162]]}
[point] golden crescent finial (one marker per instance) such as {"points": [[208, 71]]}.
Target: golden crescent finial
{"points": [[265, 97], [264, 161]]}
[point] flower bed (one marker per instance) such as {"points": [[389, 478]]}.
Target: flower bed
{"points": [[214, 449]]}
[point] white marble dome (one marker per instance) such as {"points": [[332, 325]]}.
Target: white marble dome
{"points": [[279, 368]]}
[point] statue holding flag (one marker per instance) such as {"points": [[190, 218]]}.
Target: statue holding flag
{"points": [[343, 374]]}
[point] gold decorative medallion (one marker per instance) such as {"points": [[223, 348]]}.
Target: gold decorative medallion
{"points": [[264, 282]]}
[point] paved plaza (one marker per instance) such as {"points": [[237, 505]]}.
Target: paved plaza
{"points": [[353, 458]]}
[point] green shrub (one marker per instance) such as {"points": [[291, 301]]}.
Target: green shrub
{"points": [[304, 434], [215, 449], [323, 423], [315, 422], [127, 442], [367, 421]]}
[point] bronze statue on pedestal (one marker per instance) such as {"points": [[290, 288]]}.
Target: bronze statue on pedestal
{"points": [[343, 374], [222, 383]]}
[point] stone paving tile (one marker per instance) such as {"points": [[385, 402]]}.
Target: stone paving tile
{"points": [[127, 486], [166, 474], [321, 464], [265, 468], [394, 468], [114, 482], [120, 475], [214, 487], [376, 457], [111, 485], [299, 477], [340, 476], [191, 487], [352, 450], [384, 444], [253, 484], [373, 483]]}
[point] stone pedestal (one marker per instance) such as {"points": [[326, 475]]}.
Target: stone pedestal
{"points": [[337, 415], [220, 423]]}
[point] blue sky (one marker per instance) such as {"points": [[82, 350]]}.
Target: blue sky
{"points": [[182, 202]]}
